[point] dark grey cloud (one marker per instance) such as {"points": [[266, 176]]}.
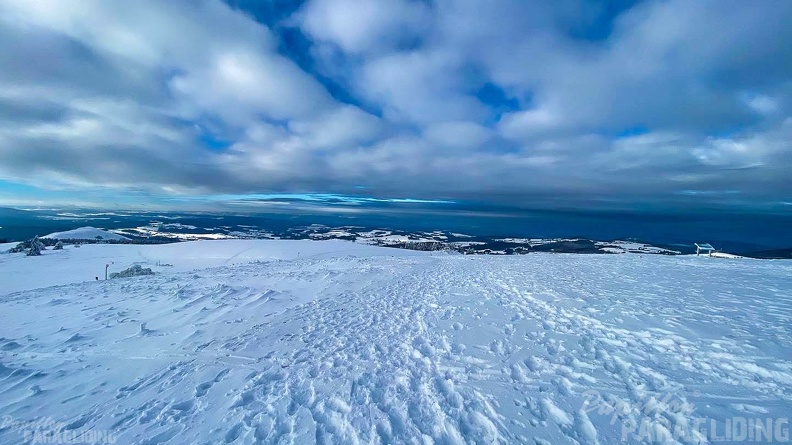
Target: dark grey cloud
{"points": [[664, 101]]}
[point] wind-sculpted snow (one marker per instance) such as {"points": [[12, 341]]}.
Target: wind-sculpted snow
{"points": [[446, 349]]}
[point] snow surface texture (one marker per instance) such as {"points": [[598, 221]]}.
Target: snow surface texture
{"points": [[334, 342], [84, 263], [87, 233]]}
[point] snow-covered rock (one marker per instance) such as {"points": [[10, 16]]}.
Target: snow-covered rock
{"points": [[87, 233], [135, 271]]}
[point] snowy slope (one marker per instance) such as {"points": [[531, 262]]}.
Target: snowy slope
{"points": [[357, 344], [87, 233], [78, 264]]}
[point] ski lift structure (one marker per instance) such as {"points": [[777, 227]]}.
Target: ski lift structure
{"points": [[705, 248]]}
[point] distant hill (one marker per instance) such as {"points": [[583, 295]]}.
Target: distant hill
{"points": [[87, 233]]}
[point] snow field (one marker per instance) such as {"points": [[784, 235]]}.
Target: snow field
{"points": [[339, 346]]}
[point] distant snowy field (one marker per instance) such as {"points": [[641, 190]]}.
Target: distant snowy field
{"points": [[335, 342], [87, 233]]}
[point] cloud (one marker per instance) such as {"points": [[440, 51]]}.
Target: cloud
{"points": [[458, 135], [341, 127], [516, 103], [418, 87], [359, 26]]}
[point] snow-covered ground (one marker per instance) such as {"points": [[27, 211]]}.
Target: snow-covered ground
{"points": [[336, 342], [85, 263]]}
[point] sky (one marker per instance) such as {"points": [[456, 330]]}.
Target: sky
{"points": [[662, 105]]}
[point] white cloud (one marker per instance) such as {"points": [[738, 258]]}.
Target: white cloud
{"points": [[343, 127], [245, 86], [530, 124], [419, 86], [761, 103], [359, 26], [459, 134], [754, 150]]}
